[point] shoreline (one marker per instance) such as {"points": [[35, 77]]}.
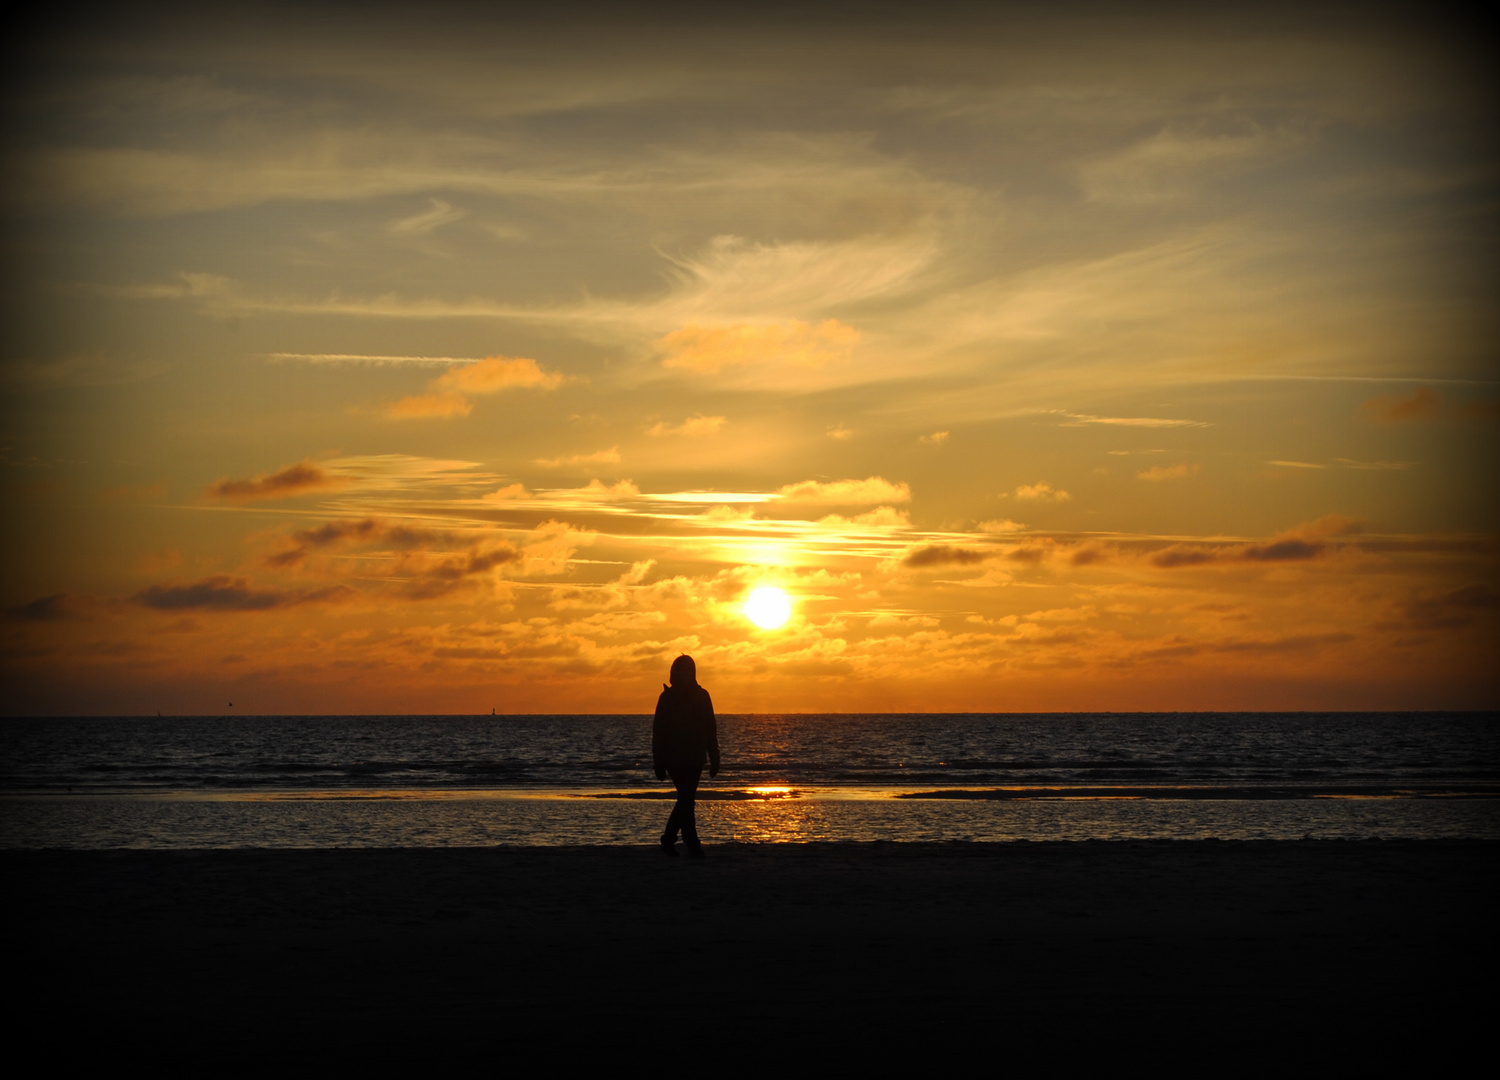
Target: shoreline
{"points": [[788, 945]]}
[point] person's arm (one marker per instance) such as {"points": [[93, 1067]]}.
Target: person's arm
{"points": [[656, 738], [711, 735]]}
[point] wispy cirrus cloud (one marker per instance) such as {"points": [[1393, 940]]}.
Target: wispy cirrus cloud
{"points": [[440, 213], [793, 342], [1082, 419]]}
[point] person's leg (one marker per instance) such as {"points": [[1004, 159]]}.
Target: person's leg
{"points": [[683, 815], [674, 823]]}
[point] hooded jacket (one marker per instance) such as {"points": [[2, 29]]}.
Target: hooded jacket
{"points": [[684, 731]]}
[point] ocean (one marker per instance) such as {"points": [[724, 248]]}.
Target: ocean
{"points": [[474, 781]]}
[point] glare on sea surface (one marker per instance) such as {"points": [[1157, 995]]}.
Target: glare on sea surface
{"points": [[768, 607]]}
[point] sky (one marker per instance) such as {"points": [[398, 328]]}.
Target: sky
{"points": [[441, 359]]}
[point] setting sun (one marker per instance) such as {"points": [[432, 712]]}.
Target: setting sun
{"points": [[768, 607]]}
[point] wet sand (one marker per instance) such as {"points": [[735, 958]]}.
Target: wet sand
{"points": [[1208, 954]]}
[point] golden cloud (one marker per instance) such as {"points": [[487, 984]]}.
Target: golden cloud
{"points": [[497, 373], [868, 492], [709, 348], [448, 394], [1042, 491], [1158, 473], [426, 406], [509, 493]]}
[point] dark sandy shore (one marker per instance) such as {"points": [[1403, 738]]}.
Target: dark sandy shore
{"points": [[1213, 955]]}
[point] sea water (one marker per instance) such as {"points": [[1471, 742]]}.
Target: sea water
{"points": [[403, 781]]}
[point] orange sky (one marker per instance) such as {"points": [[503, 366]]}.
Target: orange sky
{"points": [[368, 360]]}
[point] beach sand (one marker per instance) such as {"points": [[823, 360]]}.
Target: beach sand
{"points": [[1328, 954]]}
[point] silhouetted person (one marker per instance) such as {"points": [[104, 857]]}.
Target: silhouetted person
{"points": [[682, 736]]}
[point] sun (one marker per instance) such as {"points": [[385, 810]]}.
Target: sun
{"points": [[768, 607]]}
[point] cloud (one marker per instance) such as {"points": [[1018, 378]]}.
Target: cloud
{"points": [[1421, 403], [1042, 491], [609, 595], [378, 360], [1167, 164], [710, 348], [299, 479], [1296, 465], [552, 543], [1080, 419], [593, 491], [418, 571], [438, 575], [882, 517], [1283, 550], [692, 427], [224, 593], [1089, 554], [448, 394], [1158, 473], [338, 533], [598, 457], [1350, 463], [428, 406], [935, 555], [441, 213], [1453, 608], [867, 492], [48, 609], [936, 438], [1179, 555], [840, 432], [497, 373], [510, 493], [190, 285], [1306, 541], [405, 472], [722, 513], [1002, 526]]}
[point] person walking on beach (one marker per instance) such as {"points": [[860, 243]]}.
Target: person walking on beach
{"points": [[682, 736]]}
